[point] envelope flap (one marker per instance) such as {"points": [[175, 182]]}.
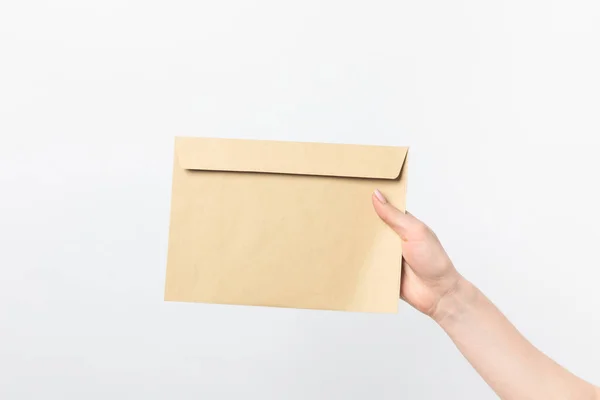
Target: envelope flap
{"points": [[358, 161]]}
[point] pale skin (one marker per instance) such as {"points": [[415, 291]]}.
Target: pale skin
{"points": [[512, 366]]}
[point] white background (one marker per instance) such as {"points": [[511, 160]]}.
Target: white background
{"points": [[500, 102]]}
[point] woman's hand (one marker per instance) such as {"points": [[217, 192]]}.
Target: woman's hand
{"points": [[502, 356], [428, 275]]}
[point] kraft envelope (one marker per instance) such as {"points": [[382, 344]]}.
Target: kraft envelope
{"points": [[284, 224]]}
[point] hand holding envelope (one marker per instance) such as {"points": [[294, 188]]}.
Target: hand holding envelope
{"points": [[284, 224]]}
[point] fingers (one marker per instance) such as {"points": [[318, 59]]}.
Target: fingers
{"points": [[405, 225]]}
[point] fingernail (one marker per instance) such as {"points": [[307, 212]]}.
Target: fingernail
{"points": [[380, 196]]}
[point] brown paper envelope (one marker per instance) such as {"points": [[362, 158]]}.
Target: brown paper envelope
{"points": [[284, 224]]}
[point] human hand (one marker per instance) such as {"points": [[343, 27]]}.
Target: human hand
{"points": [[428, 275], [511, 365]]}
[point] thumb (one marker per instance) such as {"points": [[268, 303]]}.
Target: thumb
{"points": [[405, 225]]}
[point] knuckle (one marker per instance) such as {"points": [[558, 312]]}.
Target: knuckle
{"points": [[421, 229]]}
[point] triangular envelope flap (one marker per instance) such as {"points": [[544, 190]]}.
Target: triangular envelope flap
{"points": [[383, 162]]}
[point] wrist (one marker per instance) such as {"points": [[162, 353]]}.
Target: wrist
{"points": [[455, 302]]}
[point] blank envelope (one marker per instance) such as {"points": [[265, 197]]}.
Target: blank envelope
{"points": [[284, 224]]}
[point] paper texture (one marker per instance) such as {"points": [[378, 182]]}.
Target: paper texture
{"points": [[284, 224]]}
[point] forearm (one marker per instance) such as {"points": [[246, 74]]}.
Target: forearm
{"points": [[511, 365]]}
